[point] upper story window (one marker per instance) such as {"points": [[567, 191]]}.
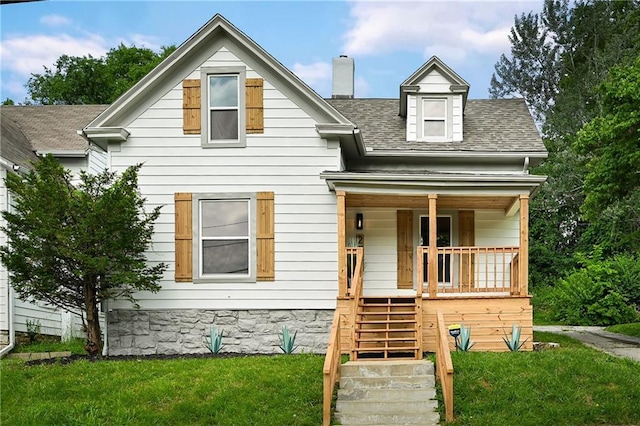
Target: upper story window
{"points": [[223, 107], [434, 118]]}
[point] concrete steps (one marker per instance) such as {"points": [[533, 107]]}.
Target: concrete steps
{"points": [[387, 393]]}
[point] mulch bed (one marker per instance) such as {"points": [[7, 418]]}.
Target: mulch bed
{"points": [[73, 358]]}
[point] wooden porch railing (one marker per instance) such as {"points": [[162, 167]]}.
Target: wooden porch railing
{"points": [[355, 258], [444, 365], [470, 270], [331, 369]]}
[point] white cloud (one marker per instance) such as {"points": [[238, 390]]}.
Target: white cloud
{"points": [[313, 74], [55, 20], [452, 30], [25, 55], [361, 87]]}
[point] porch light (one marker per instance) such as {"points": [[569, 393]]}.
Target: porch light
{"points": [[359, 221]]}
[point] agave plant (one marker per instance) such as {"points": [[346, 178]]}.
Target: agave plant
{"points": [[463, 341], [215, 340], [514, 343], [287, 341]]}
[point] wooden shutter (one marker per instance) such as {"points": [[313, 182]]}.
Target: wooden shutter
{"points": [[191, 107], [265, 250], [254, 103], [405, 248], [184, 237], [466, 231]]}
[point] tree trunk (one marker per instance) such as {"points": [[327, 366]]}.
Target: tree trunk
{"points": [[94, 336]]}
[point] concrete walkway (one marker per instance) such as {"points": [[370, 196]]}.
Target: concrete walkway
{"points": [[614, 344]]}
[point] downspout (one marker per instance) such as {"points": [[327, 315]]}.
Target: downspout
{"points": [[105, 338], [10, 319]]}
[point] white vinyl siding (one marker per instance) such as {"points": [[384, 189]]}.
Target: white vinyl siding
{"points": [[97, 161], [286, 159], [4, 285], [494, 229]]}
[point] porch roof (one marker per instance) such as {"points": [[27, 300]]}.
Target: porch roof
{"points": [[411, 182]]}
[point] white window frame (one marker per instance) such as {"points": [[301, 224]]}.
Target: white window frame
{"points": [[447, 119], [205, 74], [197, 200]]}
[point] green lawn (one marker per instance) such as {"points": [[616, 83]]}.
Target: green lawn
{"points": [[276, 390], [75, 346], [572, 385], [632, 329]]}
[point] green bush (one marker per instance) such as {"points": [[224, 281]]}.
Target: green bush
{"points": [[601, 292]]}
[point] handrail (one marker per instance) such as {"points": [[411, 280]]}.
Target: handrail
{"points": [[356, 293], [331, 369], [444, 365], [354, 259]]}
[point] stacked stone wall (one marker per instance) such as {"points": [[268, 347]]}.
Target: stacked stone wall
{"points": [[171, 332]]}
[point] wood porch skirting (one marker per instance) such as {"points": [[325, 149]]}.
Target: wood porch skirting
{"points": [[489, 317]]}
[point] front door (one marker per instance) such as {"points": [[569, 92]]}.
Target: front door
{"points": [[443, 233]]}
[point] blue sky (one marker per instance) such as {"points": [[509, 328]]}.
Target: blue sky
{"points": [[389, 40]]}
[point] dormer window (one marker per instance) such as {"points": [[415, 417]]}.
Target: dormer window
{"points": [[434, 118]]}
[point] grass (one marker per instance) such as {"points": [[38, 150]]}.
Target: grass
{"points": [[273, 390], [632, 329], [76, 346], [571, 385]]}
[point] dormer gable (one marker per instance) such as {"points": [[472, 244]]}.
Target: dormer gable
{"points": [[432, 100]]}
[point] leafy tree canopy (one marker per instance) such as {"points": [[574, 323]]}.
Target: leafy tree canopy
{"points": [[76, 246], [87, 80]]}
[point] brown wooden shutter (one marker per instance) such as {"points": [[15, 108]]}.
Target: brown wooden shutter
{"points": [[405, 249], [467, 231], [191, 107], [254, 103], [265, 230], [184, 237]]}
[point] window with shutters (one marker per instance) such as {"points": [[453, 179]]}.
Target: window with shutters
{"points": [[224, 237]]}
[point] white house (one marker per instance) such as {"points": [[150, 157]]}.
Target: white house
{"points": [[281, 208]]}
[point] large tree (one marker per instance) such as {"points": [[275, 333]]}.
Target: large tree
{"points": [[88, 80], [75, 246]]}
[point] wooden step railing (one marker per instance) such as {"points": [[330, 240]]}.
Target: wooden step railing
{"points": [[444, 365], [331, 369], [355, 258]]}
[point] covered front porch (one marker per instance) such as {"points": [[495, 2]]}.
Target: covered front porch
{"points": [[403, 257]]}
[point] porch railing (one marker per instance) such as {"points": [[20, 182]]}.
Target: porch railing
{"points": [[355, 270], [469, 270], [331, 370]]}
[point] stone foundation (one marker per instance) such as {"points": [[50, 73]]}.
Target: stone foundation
{"points": [[133, 332], [4, 337]]}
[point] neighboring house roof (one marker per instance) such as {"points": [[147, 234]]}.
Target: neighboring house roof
{"points": [[490, 125], [15, 148], [53, 128]]}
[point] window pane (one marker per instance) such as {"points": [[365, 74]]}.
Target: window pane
{"points": [[433, 108], [434, 128], [225, 257], [224, 124], [225, 218], [223, 91]]}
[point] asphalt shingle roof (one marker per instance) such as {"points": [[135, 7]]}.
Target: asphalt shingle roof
{"points": [[53, 127], [490, 125], [14, 145]]}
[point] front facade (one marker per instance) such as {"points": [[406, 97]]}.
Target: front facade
{"points": [[280, 207]]}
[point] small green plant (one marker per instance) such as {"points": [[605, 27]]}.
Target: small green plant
{"points": [[514, 343], [215, 340], [463, 341], [33, 329], [287, 341]]}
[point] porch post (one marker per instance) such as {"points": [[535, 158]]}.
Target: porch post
{"points": [[342, 245], [433, 247], [524, 245]]}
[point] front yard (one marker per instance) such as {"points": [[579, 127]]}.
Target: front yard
{"points": [[572, 385]]}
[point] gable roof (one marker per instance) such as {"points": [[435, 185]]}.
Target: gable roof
{"points": [[490, 125], [15, 148], [410, 85], [190, 55], [53, 128]]}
